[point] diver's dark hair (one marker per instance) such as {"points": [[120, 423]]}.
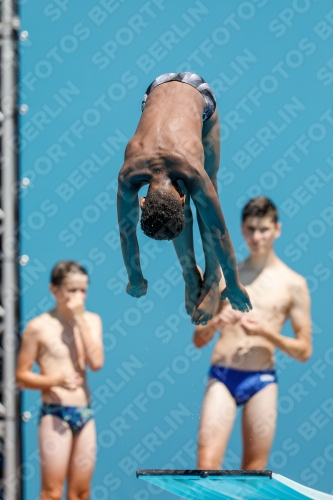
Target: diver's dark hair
{"points": [[63, 268], [162, 215], [260, 207]]}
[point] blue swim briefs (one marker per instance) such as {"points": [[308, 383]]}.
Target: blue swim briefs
{"points": [[242, 384]]}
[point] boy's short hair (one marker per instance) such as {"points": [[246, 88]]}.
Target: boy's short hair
{"points": [[260, 207], [162, 216], [63, 268]]}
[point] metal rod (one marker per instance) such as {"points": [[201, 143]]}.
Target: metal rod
{"points": [[9, 244]]}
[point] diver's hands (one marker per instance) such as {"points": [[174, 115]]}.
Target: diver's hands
{"points": [[137, 288], [238, 297]]}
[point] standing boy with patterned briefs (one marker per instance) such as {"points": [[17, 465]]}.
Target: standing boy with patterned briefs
{"points": [[242, 370], [63, 342], [176, 150]]}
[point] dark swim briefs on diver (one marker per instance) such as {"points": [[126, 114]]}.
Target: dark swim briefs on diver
{"points": [[191, 79], [242, 385], [75, 416]]}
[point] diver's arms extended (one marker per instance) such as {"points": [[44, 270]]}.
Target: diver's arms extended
{"points": [[128, 217], [205, 198]]}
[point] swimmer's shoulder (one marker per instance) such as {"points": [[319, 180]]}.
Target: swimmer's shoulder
{"points": [[290, 278], [91, 316], [133, 175], [37, 326], [93, 319]]}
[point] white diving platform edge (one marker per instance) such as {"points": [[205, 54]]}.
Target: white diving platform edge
{"points": [[229, 484]]}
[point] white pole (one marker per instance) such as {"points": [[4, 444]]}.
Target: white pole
{"points": [[9, 245]]}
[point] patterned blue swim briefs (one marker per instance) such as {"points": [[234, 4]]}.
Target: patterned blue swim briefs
{"points": [[75, 416]]}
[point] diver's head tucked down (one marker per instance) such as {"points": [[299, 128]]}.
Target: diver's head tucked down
{"points": [[162, 215]]}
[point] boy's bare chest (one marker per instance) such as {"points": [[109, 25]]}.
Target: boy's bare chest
{"points": [[269, 292], [60, 343]]}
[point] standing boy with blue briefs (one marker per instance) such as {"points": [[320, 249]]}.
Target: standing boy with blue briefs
{"points": [[242, 368], [63, 342], [176, 150]]}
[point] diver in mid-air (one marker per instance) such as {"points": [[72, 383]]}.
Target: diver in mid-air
{"points": [[176, 150]]}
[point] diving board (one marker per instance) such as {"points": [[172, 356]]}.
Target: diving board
{"points": [[230, 484]]}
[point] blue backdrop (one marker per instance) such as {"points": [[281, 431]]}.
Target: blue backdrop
{"points": [[84, 69]]}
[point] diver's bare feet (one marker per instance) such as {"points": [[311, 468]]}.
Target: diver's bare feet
{"points": [[193, 286], [207, 303]]}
